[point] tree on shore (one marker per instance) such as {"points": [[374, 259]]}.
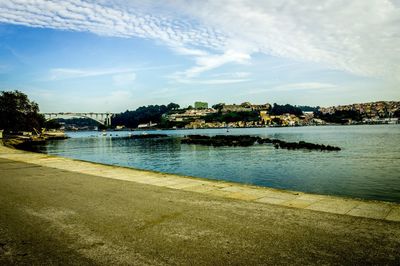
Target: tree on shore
{"points": [[396, 113], [339, 116], [218, 106], [233, 117], [144, 114], [18, 113], [285, 109], [52, 124], [173, 106]]}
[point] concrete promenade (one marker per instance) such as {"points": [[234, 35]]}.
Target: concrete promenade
{"points": [[61, 211]]}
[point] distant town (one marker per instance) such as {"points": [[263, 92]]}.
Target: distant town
{"points": [[246, 114]]}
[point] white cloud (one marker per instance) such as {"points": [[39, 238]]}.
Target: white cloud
{"points": [[124, 79], [73, 73], [304, 86], [208, 62], [292, 87], [110, 19], [205, 61], [232, 75], [358, 36], [114, 101], [120, 76], [212, 81]]}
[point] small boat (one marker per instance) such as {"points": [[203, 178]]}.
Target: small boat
{"points": [[52, 135]]}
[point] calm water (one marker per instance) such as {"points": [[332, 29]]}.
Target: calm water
{"points": [[367, 167]]}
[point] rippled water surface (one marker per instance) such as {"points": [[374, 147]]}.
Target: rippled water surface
{"points": [[367, 167]]}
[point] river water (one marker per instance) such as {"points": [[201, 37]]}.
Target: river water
{"points": [[368, 166]]}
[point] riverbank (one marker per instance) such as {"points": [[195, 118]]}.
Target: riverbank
{"points": [[26, 141], [63, 211]]}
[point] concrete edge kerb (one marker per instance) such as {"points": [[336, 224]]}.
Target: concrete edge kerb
{"points": [[331, 204]]}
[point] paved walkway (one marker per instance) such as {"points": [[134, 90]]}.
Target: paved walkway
{"points": [[57, 211]]}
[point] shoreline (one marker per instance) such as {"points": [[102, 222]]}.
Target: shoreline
{"points": [[374, 209], [208, 128]]}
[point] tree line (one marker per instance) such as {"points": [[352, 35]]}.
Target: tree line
{"points": [[18, 113], [143, 115]]}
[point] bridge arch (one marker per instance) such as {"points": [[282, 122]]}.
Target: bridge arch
{"points": [[104, 119]]}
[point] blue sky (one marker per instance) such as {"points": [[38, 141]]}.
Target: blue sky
{"points": [[77, 55]]}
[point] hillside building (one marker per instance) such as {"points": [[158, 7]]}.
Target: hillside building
{"points": [[201, 105]]}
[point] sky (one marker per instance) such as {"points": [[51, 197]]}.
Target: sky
{"points": [[117, 55]]}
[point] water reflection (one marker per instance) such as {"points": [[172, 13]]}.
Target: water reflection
{"points": [[367, 167]]}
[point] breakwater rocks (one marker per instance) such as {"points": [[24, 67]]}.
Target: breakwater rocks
{"points": [[303, 145], [222, 140], [246, 140], [148, 136], [25, 142]]}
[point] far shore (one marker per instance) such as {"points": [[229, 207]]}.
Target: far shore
{"points": [[219, 128]]}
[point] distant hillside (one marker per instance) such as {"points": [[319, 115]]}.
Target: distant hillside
{"points": [[371, 109], [306, 108], [359, 111]]}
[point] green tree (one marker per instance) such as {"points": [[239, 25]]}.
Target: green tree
{"points": [[283, 109], [340, 116], [233, 117], [18, 113], [52, 124], [144, 114], [396, 113], [173, 106], [218, 106]]}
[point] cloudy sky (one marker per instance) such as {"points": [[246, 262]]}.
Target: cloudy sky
{"points": [[83, 55]]}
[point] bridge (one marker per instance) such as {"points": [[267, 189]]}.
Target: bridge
{"points": [[102, 118]]}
